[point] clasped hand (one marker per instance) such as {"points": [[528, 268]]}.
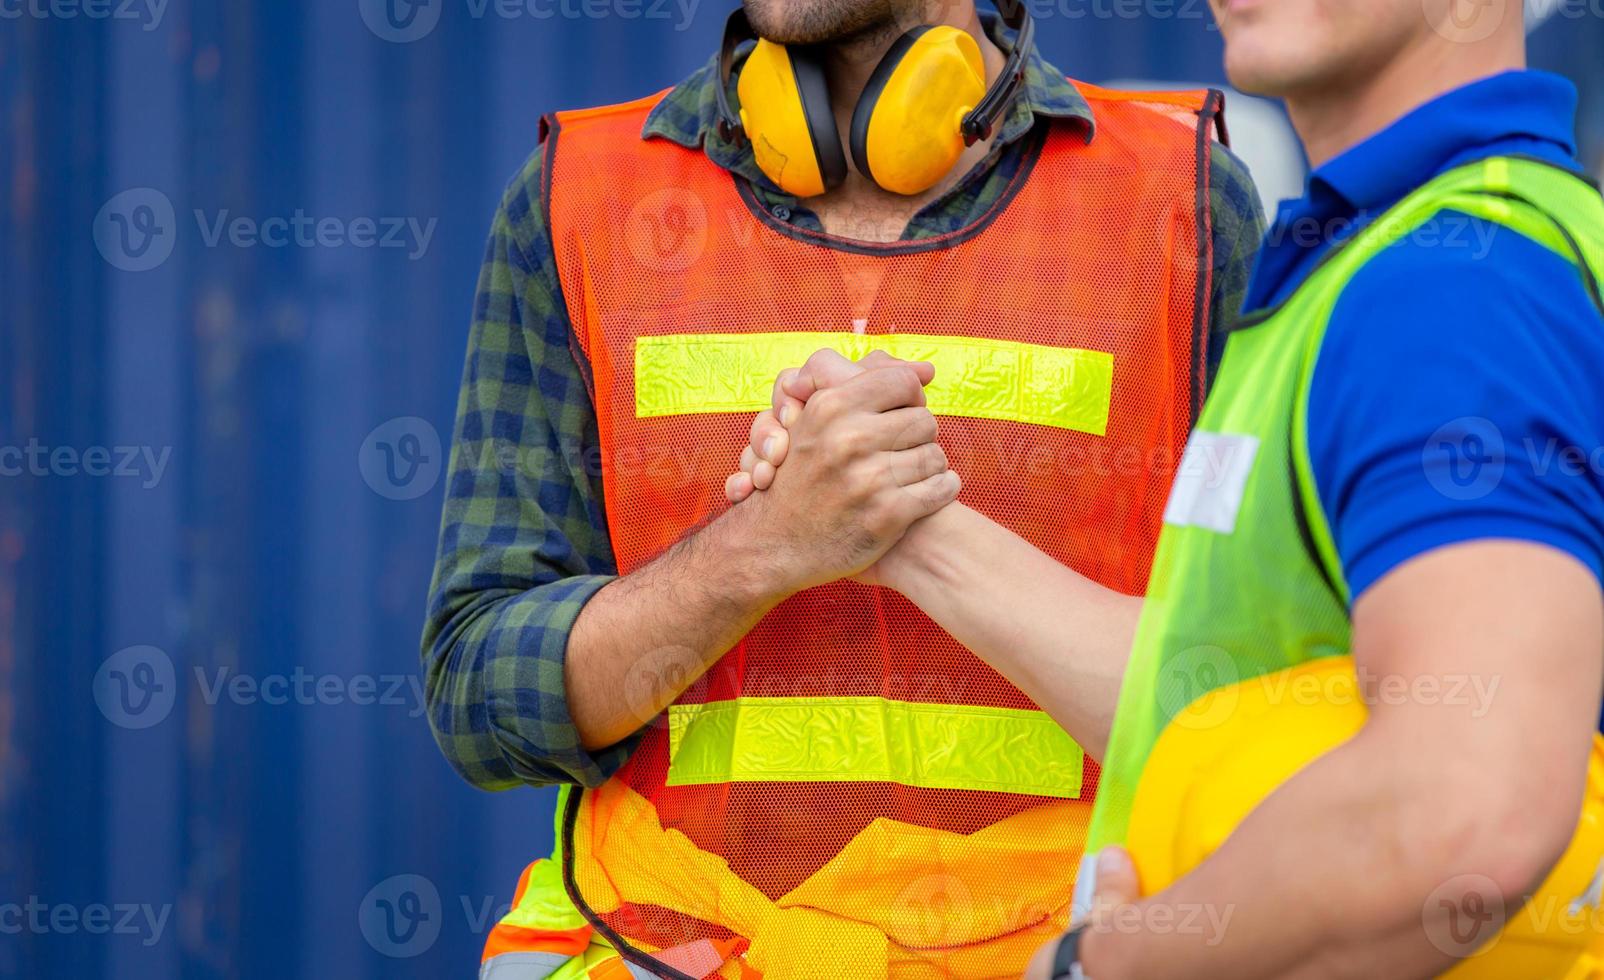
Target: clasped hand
{"points": [[841, 464]]}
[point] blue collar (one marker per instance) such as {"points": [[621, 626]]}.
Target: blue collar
{"points": [[1517, 111]]}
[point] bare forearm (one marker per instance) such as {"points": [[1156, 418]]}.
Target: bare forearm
{"points": [[1057, 635], [1481, 671], [1343, 894], [648, 636]]}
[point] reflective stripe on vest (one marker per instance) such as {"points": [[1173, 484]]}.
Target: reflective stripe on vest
{"points": [[684, 374], [1247, 579], [848, 763], [935, 746]]}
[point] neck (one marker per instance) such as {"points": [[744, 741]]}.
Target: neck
{"points": [[1334, 116]]}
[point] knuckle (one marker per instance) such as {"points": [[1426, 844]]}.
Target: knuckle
{"points": [[827, 400]]}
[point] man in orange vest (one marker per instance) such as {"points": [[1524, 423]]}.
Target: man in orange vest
{"points": [[771, 767]]}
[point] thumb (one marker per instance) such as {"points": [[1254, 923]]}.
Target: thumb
{"points": [[1117, 883]]}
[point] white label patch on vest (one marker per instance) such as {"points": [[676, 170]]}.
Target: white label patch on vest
{"points": [[1211, 480]]}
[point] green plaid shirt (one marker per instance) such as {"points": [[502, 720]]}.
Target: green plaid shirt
{"points": [[523, 540]]}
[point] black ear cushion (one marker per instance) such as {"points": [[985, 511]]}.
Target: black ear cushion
{"points": [[871, 96], [808, 69]]}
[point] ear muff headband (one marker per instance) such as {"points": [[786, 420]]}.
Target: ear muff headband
{"points": [[814, 93]]}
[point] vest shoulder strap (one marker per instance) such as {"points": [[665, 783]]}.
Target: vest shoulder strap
{"points": [[1192, 108]]}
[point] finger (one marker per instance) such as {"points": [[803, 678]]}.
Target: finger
{"points": [[903, 428], [763, 474], [772, 443], [880, 359], [778, 399], [880, 390], [1117, 883], [910, 466], [825, 369], [928, 496], [737, 487], [788, 411]]}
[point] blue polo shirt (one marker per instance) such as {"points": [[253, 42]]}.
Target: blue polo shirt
{"points": [[1459, 392]]}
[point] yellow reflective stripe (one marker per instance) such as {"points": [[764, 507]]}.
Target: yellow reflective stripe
{"points": [[935, 746], [1064, 387]]}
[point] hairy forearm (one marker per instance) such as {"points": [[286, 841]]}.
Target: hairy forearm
{"points": [[1057, 635], [649, 635]]}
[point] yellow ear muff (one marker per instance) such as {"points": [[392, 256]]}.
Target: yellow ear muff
{"points": [[906, 130], [785, 111]]}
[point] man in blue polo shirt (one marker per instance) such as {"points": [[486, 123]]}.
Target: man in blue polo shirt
{"points": [[1404, 463]]}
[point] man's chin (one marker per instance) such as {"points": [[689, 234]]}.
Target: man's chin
{"points": [[818, 21], [1261, 76]]}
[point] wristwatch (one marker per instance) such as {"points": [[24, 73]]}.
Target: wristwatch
{"points": [[1066, 962]]}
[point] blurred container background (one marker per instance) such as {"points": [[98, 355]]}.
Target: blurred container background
{"points": [[213, 561]]}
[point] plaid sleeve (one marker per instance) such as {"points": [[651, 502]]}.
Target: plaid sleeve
{"points": [[1238, 220], [523, 542]]}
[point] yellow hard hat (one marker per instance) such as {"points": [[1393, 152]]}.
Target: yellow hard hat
{"points": [[1218, 760]]}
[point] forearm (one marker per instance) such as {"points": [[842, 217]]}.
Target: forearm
{"points": [[649, 635], [1058, 636], [1327, 878]]}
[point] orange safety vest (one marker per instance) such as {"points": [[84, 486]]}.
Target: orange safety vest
{"points": [[848, 791]]}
